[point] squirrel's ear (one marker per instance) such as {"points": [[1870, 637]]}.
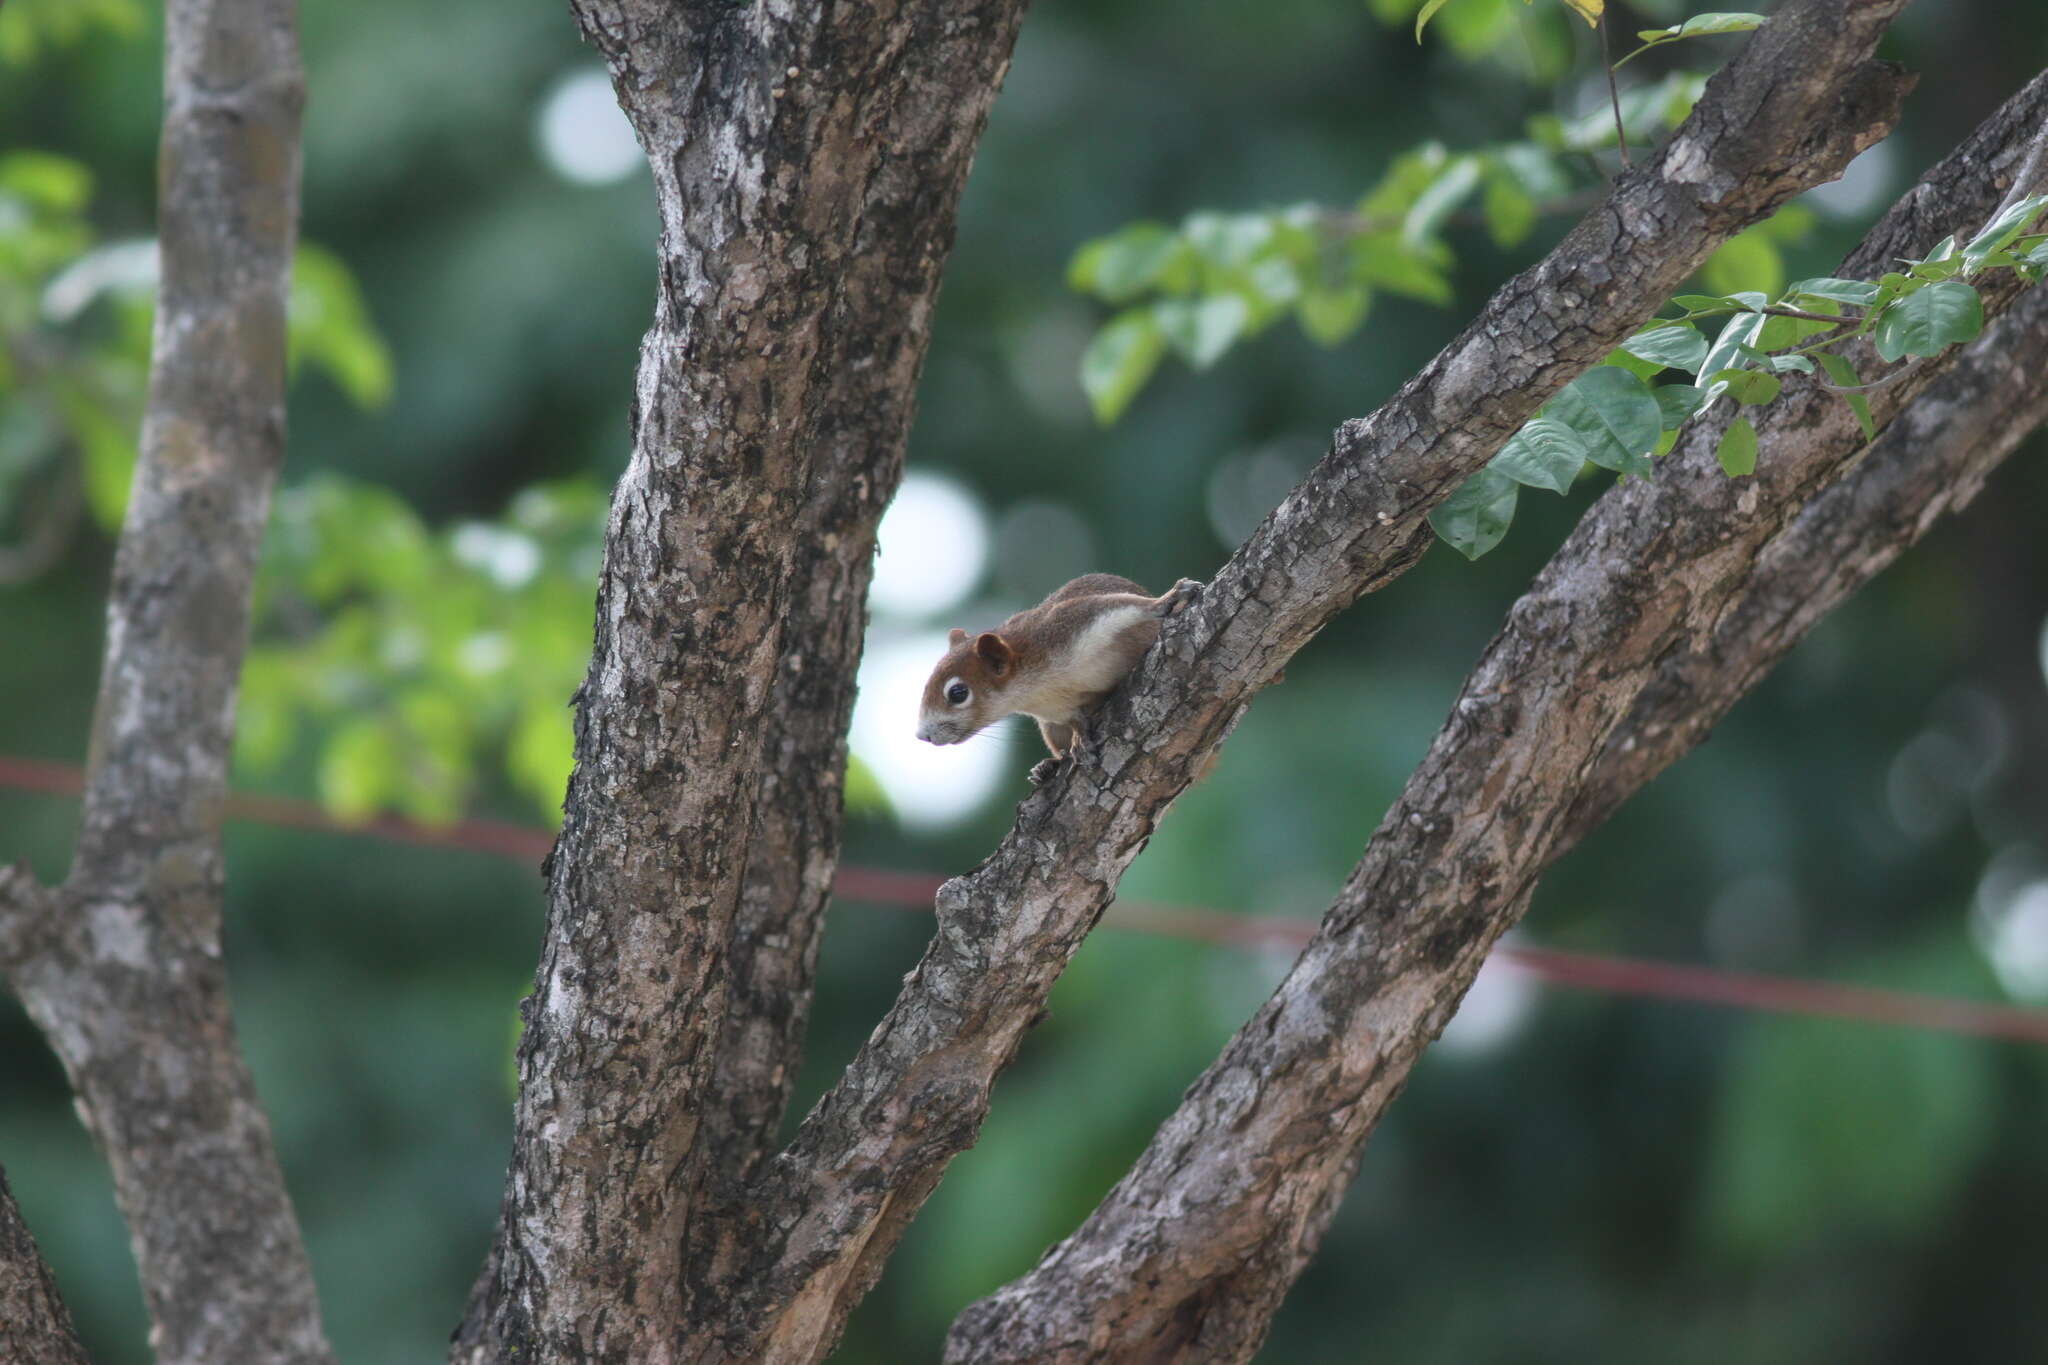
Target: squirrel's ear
{"points": [[994, 651], [956, 637]]}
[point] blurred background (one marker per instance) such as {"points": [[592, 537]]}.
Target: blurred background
{"points": [[1569, 1175]]}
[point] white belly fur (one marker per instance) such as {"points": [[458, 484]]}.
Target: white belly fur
{"points": [[1092, 663]]}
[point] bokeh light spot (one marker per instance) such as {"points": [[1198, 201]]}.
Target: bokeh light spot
{"points": [[933, 546], [584, 136]]}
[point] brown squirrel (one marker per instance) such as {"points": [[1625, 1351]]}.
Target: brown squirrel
{"points": [[1052, 662]]}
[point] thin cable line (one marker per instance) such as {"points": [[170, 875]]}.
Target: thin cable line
{"points": [[914, 891]]}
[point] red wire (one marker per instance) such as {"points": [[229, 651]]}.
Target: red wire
{"points": [[914, 891]]}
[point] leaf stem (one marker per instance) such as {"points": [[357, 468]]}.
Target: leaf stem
{"points": [[1613, 91]]}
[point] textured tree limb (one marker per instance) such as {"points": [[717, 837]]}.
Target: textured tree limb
{"points": [[807, 163], [121, 966], [1793, 108], [1671, 599], [34, 1324]]}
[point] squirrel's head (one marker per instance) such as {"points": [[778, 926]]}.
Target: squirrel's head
{"points": [[964, 693]]}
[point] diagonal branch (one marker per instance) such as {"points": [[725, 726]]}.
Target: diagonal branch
{"points": [[1670, 594], [121, 967], [1795, 106], [34, 1324]]}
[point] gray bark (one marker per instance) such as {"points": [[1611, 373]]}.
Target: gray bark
{"points": [[1670, 600], [1789, 113], [807, 164], [34, 1324], [121, 965]]}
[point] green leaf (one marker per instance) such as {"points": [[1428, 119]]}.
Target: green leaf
{"points": [[1127, 262], [1676, 403], [1861, 293], [1844, 375], [1330, 315], [1534, 170], [1510, 211], [1423, 17], [1229, 239], [1669, 345], [1614, 414], [1747, 261], [1545, 453], [360, 768], [1641, 369], [1748, 387], [2001, 230], [1382, 260], [1119, 360], [1737, 450], [1200, 331], [329, 326], [108, 444], [1411, 173], [1736, 333], [1439, 201], [1778, 333], [1930, 321], [1474, 518], [1719, 303], [54, 184], [541, 751], [1703, 26]]}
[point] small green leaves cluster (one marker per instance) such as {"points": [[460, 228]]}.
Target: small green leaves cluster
{"points": [[404, 668], [27, 27], [1619, 416], [75, 332], [405, 662], [1198, 289]]}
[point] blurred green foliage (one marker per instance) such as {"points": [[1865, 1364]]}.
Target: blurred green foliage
{"points": [[1605, 1181]]}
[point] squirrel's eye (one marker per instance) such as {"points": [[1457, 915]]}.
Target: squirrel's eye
{"points": [[958, 694]]}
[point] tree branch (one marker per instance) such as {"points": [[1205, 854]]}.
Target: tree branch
{"points": [[1794, 107], [1671, 593], [34, 1324], [807, 162], [121, 967]]}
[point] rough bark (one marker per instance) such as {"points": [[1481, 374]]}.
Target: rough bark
{"points": [[121, 966], [807, 164], [1789, 113], [34, 1324], [1669, 601]]}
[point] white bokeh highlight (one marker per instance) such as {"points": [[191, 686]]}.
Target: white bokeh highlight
{"points": [[932, 548], [583, 134], [1496, 1009]]}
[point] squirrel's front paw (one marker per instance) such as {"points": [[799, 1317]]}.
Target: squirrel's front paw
{"points": [[1179, 595], [1042, 771]]}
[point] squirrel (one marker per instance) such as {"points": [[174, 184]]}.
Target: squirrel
{"points": [[1051, 662]]}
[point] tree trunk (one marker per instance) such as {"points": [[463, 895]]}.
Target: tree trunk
{"points": [[807, 164], [121, 966], [34, 1325]]}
